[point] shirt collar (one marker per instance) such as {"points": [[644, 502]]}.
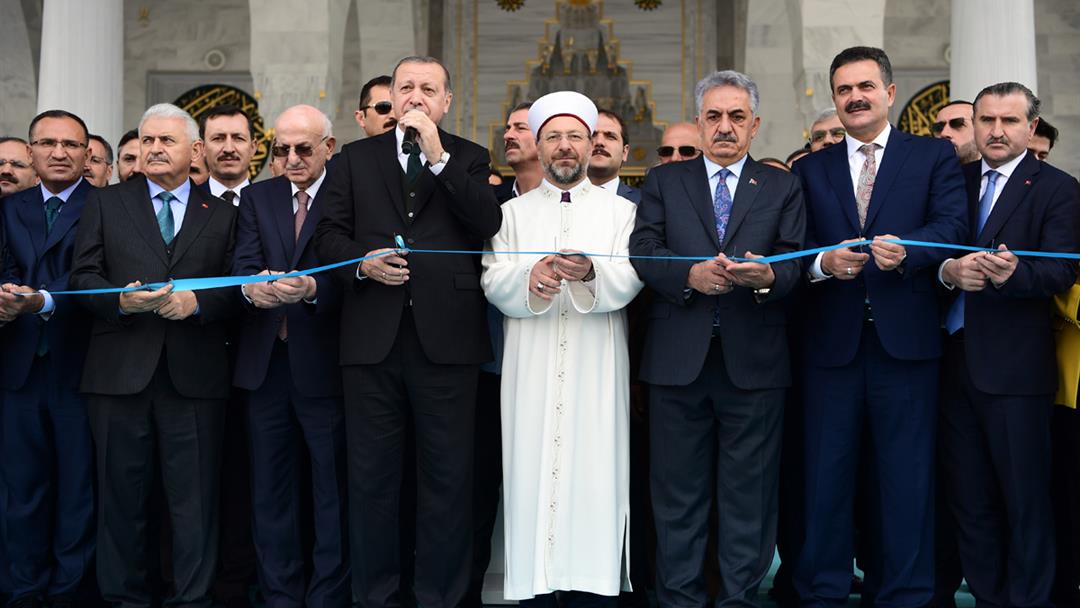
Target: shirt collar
{"points": [[736, 167], [1005, 170], [313, 189], [64, 195], [612, 184], [181, 192], [217, 188], [882, 138], [550, 189]]}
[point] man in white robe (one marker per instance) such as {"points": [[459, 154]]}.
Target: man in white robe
{"points": [[566, 380]]}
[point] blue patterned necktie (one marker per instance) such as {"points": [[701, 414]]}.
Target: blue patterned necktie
{"points": [[52, 211], [954, 320], [165, 218], [722, 205]]}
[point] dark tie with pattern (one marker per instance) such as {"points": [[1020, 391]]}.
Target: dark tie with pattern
{"points": [[867, 177], [302, 199], [722, 211], [229, 196], [414, 166], [52, 211]]}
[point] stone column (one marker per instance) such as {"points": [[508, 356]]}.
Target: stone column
{"points": [[387, 34], [992, 41], [296, 54], [82, 62]]}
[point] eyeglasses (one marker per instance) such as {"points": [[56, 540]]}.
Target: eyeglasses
{"points": [[302, 150], [837, 133], [68, 144], [382, 107], [954, 124], [15, 164], [666, 151]]}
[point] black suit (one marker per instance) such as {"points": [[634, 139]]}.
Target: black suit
{"points": [[998, 384], [717, 394], [411, 350], [156, 387]]}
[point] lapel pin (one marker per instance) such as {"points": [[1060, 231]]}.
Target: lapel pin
{"points": [[1027, 182], [205, 206], [753, 182]]}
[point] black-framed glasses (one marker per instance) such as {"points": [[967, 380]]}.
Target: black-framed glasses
{"points": [[954, 123], [836, 132], [302, 150], [15, 164], [68, 144], [382, 107], [666, 151]]}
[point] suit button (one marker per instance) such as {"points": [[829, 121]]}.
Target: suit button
{"points": [[412, 195], [410, 241], [410, 214]]}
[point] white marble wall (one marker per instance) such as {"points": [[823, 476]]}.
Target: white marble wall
{"points": [[18, 81], [1057, 44], [769, 61]]}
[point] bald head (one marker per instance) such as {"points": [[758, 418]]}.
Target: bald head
{"points": [[303, 140], [677, 141]]}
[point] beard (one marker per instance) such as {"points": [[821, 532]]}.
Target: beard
{"points": [[565, 176]]}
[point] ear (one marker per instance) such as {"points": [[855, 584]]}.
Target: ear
{"points": [[625, 153]]}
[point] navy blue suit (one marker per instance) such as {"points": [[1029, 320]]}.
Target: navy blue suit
{"points": [[47, 452], [629, 192], [871, 347], [293, 399], [5, 565], [998, 384]]}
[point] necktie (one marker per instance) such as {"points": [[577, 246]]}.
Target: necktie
{"points": [[302, 199], [52, 211], [229, 196], [722, 205], [165, 218], [565, 197], [722, 210], [866, 182], [954, 320], [414, 167]]}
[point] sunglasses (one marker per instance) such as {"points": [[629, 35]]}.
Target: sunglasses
{"points": [[837, 133], [383, 107], [666, 151], [302, 150], [954, 123]]}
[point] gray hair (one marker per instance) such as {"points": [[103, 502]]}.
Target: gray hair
{"points": [[168, 110], [1003, 89], [422, 59], [825, 114], [726, 78]]}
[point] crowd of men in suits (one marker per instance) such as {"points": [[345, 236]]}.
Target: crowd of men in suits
{"points": [[338, 437]]}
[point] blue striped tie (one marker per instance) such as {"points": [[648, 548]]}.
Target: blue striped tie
{"points": [[954, 320]]}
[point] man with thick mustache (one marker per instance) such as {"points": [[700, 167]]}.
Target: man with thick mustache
{"points": [[46, 452], [16, 170], [872, 338], [611, 146], [376, 113], [716, 354], [413, 333], [229, 143], [127, 155]]}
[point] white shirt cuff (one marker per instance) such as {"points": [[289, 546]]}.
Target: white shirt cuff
{"points": [[941, 277], [359, 275], [48, 307], [816, 273], [437, 167]]}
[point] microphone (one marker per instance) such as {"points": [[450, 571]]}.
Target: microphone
{"points": [[409, 141]]}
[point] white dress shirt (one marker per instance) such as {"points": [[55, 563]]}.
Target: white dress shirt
{"points": [[312, 191], [855, 164], [217, 189], [403, 159], [612, 184], [713, 171]]}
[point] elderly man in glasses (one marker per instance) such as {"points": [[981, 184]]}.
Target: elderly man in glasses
{"points": [[287, 366], [826, 130], [375, 115], [16, 171], [954, 122], [679, 142]]}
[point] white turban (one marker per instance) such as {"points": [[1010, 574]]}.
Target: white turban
{"points": [[562, 103]]}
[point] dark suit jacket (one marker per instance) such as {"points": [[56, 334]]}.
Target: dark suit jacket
{"points": [[119, 242], [365, 207], [629, 192], [265, 240], [1007, 331], [43, 263], [676, 218], [918, 195]]}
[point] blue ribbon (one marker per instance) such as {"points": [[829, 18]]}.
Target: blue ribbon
{"points": [[220, 282]]}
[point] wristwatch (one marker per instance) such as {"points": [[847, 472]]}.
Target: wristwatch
{"points": [[445, 158]]}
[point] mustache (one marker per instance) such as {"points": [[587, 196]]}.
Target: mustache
{"points": [[157, 157], [858, 104], [601, 152], [997, 140], [562, 155], [725, 137], [511, 144], [228, 156]]}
